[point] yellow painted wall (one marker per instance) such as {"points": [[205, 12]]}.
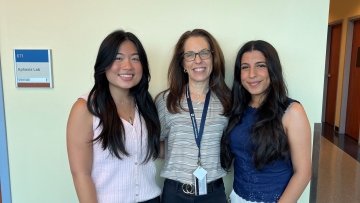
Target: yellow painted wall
{"points": [[342, 11], [36, 118]]}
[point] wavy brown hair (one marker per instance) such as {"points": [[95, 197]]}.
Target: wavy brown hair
{"points": [[178, 78]]}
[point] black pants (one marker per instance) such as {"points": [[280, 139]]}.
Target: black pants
{"points": [[173, 193], [155, 200]]}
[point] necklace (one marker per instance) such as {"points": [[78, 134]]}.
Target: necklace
{"points": [[126, 110]]}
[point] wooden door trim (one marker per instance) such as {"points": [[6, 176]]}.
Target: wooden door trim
{"points": [[327, 61], [346, 77]]}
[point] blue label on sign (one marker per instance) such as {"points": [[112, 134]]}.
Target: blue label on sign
{"points": [[27, 55]]}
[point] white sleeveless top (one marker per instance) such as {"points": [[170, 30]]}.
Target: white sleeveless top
{"points": [[127, 180]]}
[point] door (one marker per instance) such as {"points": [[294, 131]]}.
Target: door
{"points": [[353, 102], [332, 73]]}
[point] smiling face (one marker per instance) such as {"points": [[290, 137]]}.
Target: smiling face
{"points": [[126, 70], [255, 76], [199, 69]]}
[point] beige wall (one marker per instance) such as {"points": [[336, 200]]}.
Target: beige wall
{"points": [[36, 118], [342, 12]]}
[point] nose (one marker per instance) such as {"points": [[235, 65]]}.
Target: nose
{"points": [[252, 72], [127, 63], [197, 58]]}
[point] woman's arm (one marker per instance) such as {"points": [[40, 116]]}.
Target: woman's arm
{"points": [[79, 135], [297, 128]]}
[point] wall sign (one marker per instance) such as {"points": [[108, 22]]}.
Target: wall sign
{"points": [[33, 68]]}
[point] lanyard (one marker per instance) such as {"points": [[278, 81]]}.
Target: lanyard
{"points": [[197, 132]]}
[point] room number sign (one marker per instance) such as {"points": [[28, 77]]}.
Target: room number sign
{"points": [[33, 68]]}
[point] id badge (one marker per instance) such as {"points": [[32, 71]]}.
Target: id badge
{"points": [[200, 181]]}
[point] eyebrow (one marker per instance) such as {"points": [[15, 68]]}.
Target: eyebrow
{"points": [[198, 51], [119, 53], [255, 63]]}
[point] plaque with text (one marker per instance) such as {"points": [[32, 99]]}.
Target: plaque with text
{"points": [[33, 68]]}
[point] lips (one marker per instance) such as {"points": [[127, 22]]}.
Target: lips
{"points": [[253, 84], [125, 76], [199, 69]]}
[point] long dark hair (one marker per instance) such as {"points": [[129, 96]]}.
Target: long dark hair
{"points": [[178, 78], [101, 104], [268, 135]]}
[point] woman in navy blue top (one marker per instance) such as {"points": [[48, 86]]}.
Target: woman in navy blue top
{"points": [[268, 135]]}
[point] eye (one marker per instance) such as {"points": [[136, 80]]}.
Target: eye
{"points": [[135, 58], [189, 54], [119, 58], [261, 65], [244, 66], [205, 53]]}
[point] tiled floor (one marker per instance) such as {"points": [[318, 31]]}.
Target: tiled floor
{"points": [[342, 141], [336, 168]]}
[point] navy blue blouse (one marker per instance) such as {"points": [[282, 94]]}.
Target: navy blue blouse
{"points": [[265, 185]]}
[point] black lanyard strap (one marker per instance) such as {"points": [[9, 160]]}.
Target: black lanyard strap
{"points": [[197, 132]]}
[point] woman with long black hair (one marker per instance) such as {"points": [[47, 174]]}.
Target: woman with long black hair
{"points": [[113, 132], [268, 135]]}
